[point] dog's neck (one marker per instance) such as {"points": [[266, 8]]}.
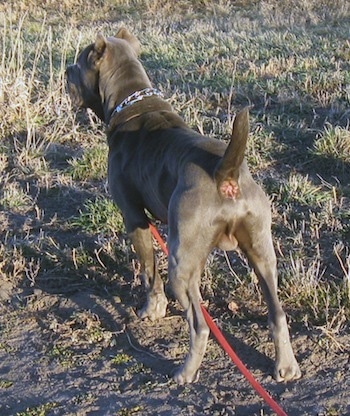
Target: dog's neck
{"points": [[119, 80], [130, 118], [131, 97]]}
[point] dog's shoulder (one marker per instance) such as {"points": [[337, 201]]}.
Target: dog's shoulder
{"points": [[162, 120]]}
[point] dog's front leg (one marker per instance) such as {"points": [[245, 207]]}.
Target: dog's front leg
{"points": [[156, 303]]}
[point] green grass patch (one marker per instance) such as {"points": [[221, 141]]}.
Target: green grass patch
{"points": [[13, 197], [63, 354], [129, 411], [322, 302], [92, 165], [41, 410], [121, 359], [333, 144], [99, 216], [301, 190]]}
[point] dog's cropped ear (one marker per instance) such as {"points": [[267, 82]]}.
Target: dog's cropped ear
{"points": [[100, 44], [123, 33]]}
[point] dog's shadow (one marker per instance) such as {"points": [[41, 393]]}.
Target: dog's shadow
{"points": [[157, 354]]}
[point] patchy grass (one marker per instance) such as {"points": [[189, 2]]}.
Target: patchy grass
{"points": [[100, 215], [333, 146], [92, 165], [121, 359], [299, 189], [292, 66], [135, 410], [14, 198], [41, 410]]}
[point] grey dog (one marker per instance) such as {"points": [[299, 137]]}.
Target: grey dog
{"points": [[197, 185]]}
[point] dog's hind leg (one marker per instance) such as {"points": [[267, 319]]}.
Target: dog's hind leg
{"points": [[186, 261], [156, 303], [186, 289], [255, 239]]}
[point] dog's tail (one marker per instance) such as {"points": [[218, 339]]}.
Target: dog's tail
{"points": [[227, 170]]}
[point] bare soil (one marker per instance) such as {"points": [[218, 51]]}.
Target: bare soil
{"points": [[87, 353]]}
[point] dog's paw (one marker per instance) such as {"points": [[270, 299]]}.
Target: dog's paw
{"points": [[155, 307], [287, 371], [182, 377]]}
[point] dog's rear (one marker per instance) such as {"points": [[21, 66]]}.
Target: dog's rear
{"points": [[238, 216]]}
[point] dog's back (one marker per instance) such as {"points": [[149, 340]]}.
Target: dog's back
{"points": [[175, 156]]}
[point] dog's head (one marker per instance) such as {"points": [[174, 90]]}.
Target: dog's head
{"points": [[89, 79]]}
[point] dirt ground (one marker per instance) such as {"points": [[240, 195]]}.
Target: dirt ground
{"points": [[87, 353]]}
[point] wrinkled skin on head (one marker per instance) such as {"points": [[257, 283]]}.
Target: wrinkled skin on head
{"points": [[83, 85], [93, 82]]}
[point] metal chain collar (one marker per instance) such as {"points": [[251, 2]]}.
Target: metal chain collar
{"points": [[135, 97]]}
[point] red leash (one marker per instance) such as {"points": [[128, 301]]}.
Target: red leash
{"points": [[158, 238], [226, 346], [242, 368]]}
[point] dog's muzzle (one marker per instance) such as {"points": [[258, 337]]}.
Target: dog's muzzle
{"points": [[73, 85]]}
